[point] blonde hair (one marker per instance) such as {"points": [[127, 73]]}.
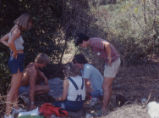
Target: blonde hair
{"points": [[71, 70], [23, 20], [42, 58]]}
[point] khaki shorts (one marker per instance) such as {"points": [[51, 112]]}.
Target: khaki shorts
{"points": [[111, 71]]}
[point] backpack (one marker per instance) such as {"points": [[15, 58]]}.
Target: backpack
{"points": [[48, 110]]}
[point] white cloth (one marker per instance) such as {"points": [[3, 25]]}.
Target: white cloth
{"points": [[111, 71], [18, 42], [72, 92], [153, 109]]}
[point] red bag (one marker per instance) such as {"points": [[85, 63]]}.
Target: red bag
{"points": [[48, 110]]}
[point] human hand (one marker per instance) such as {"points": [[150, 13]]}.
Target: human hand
{"points": [[15, 54], [58, 99]]}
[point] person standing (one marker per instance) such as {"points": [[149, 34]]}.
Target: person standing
{"points": [[108, 52], [14, 41]]}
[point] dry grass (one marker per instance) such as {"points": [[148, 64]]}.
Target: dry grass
{"points": [[2, 104]]}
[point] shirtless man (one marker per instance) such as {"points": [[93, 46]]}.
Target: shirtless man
{"points": [[34, 82]]}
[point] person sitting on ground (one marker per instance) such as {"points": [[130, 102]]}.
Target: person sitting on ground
{"points": [[32, 78], [73, 90], [92, 76]]}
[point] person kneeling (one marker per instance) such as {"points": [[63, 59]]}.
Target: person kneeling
{"points": [[31, 81], [73, 90]]}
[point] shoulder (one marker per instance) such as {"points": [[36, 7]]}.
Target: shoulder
{"points": [[76, 77], [79, 76], [32, 70], [66, 82], [95, 41]]}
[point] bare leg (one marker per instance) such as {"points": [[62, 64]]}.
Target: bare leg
{"points": [[11, 94], [107, 88], [15, 99]]}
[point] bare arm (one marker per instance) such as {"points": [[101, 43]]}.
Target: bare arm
{"points": [[32, 81], [88, 85], [43, 76], [14, 36], [108, 51], [4, 40], [65, 91]]}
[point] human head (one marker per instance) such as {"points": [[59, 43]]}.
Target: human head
{"points": [[82, 40], [41, 60], [79, 60], [24, 21], [71, 70]]}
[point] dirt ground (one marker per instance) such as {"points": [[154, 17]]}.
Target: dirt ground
{"points": [[134, 83]]}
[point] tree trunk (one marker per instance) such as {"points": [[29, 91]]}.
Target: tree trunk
{"points": [[154, 25], [145, 18]]}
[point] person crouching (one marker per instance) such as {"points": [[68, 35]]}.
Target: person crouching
{"points": [[73, 90]]}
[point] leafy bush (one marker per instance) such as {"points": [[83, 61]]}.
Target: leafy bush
{"points": [[132, 26], [54, 24]]}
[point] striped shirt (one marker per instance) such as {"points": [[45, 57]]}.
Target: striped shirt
{"points": [[97, 46]]}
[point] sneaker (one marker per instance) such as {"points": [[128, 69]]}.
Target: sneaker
{"points": [[10, 116], [16, 111], [33, 112]]}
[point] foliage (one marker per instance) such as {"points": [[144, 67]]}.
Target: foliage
{"points": [[132, 26], [54, 24]]}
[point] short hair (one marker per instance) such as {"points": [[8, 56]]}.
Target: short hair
{"points": [[71, 70], [23, 20], [80, 58], [81, 37], [42, 58]]}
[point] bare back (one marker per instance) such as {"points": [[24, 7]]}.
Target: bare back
{"points": [[28, 72]]}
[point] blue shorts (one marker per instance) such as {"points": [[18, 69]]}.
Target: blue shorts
{"points": [[24, 89], [15, 64], [69, 105], [97, 93]]}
